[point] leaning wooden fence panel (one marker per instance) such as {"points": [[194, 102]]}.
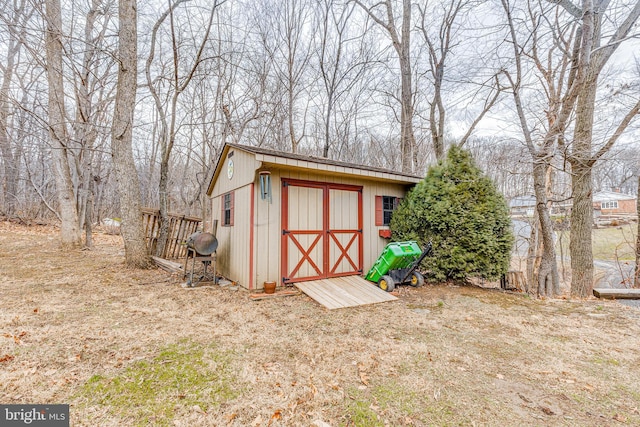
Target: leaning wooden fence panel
{"points": [[180, 228]]}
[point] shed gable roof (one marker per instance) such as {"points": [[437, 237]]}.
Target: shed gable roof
{"points": [[319, 164]]}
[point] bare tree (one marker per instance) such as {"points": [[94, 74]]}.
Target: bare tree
{"points": [[284, 34], [506, 161], [93, 86], [545, 271], [619, 171], [121, 137], [589, 58], [168, 113], [70, 236], [29, 138], [383, 14], [636, 281], [440, 48], [89, 79], [19, 15], [570, 87], [341, 67]]}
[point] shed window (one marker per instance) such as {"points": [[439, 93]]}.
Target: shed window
{"points": [[227, 209], [385, 205], [609, 205]]}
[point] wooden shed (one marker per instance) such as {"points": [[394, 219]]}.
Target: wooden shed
{"points": [[290, 218]]}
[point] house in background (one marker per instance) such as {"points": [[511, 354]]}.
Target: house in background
{"points": [[290, 218], [605, 203], [613, 203], [522, 206]]}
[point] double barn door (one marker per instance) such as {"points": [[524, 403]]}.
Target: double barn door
{"points": [[321, 230]]}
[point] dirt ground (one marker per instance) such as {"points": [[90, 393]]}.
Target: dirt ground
{"points": [[132, 347]]}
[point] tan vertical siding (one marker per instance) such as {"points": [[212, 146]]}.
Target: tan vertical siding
{"points": [[343, 215], [244, 172], [267, 235], [305, 213], [269, 229], [343, 205], [233, 254], [374, 244], [234, 250]]}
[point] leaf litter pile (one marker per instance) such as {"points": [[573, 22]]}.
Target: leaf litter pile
{"points": [[133, 347]]}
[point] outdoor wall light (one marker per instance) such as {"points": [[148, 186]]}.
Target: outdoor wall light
{"points": [[265, 185]]}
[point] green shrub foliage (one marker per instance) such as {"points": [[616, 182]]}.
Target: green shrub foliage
{"points": [[461, 212]]}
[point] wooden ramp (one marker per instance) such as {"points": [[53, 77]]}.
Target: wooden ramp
{"points": [[607, 293], [340, 292]]}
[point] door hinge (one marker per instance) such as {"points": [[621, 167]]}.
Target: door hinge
{"points": [[285, 232]]}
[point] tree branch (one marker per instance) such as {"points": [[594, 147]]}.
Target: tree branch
{"points": [[567, 5], [602, 54], [619, 131], [488, 105]]}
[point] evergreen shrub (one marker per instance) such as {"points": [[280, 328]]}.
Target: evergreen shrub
{"points": [[461, 212]]}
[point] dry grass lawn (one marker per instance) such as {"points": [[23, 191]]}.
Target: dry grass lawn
{"points": [[130, 347], [609, 243]]}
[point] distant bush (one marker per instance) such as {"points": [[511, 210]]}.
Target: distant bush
{"points": [[462, 213]]}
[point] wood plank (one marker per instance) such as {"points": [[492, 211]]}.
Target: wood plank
{"points": [[372, 290], [382, 295], [277, 294], [325, 295], [352, 292], [617, 293], [368, 289], [342, 292], [331, 286], [170, 266], [316, 292]]}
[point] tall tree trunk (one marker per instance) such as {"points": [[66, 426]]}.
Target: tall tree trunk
{"points": [[437, 115], [168, 130], [10, 156], [580, 245], [589, 58], [290, 119], [407, 139], [533, 250], [327, 126], [9, 162], [163, 191], [543, 273], [401, 44], [85, 127], [70, 235], [127, 179], [88, 227], [548, 282], [636, 282]]}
